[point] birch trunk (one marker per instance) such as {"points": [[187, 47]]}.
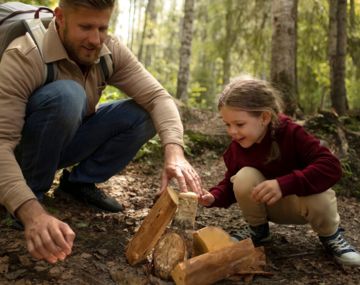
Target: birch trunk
{"points": [[283, 53], [185, 51]]}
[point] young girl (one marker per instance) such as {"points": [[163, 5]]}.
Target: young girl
{"points": [[276, 171]]}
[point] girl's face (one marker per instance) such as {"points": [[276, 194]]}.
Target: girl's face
{"points": [[243, 127]]}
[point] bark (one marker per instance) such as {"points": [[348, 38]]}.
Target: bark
{"points": [[147, 46], [337, 55], [185, 51], [283, 51]]}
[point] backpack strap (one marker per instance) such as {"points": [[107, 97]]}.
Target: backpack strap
{"points": [[37, 31], [106, 66]]}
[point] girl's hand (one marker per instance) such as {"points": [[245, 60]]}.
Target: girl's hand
{"points": [[206, 199], [267, 192]]}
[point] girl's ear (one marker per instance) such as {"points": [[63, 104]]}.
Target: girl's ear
{"points": [[266, 117]]}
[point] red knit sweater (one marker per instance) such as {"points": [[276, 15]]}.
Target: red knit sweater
{"points": [[304, 168]]}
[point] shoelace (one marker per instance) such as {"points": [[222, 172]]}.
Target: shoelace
{"points": [[244, 233], [339, 245]]}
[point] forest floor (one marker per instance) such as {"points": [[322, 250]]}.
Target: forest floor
{"points": [[295, 255]]}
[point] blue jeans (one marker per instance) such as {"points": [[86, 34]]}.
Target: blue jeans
{"points": [[57, 134]]}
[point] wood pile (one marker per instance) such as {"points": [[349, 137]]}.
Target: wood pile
{"points": [[186, 256]]}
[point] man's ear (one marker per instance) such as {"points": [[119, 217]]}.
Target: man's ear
{"points": [[59, 15]]}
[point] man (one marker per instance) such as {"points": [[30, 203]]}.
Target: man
{"points": [[48, 127]]}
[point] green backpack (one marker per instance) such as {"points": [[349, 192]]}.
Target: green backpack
{"points": [[17, 18]]}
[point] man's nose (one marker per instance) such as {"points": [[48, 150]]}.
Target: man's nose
{"points": [[95, 38]]}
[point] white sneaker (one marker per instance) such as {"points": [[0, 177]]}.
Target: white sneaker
{"points": [[342, 251]]}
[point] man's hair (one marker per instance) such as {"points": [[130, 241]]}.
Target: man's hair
{"points": [[93, 4]]}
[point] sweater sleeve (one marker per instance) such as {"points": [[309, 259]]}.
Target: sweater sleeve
{"points": [[223, 192], [21, 72], [320, 171]]}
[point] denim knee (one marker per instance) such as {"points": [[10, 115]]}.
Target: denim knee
{"points": [[64, 99]]}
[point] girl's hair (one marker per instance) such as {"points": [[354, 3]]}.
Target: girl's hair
{"points": [[255, 96], [93, 4]]}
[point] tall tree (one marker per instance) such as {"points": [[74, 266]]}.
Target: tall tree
{"points": [[337, 55], [283, 51], [185, 51], [147, 43]]}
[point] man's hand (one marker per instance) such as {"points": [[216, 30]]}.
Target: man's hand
{"points": [[176, 166], [268, 192], [46, 237]]}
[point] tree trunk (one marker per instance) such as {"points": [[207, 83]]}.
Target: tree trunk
{"points": [[283, 53], [147, 46], [337, 54], [185, 51], [228, 42]]}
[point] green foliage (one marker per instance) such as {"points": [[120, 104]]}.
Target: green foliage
{"points": [[111, 94], [151, 149], [47, 3]]}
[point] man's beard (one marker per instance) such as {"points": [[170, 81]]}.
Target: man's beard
{"points": [[74, 55]]}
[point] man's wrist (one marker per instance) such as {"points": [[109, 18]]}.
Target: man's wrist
{"points": [[174, 148], [28, 210]]}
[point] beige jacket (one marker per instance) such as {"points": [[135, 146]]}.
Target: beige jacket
{"points": [[22, 71]]}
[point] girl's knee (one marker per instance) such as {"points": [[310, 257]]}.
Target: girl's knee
{"points": [[245, 180]]}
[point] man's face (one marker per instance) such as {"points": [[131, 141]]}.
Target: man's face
{"points": [[83, 31]]}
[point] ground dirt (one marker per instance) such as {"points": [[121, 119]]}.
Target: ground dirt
{"points": [[295, 255]]}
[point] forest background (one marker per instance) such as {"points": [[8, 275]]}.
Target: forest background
{"points": [[309, 49]]}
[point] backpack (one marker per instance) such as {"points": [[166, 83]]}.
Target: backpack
{"points": [[17, 19]]}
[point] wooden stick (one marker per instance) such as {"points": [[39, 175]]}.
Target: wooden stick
{"points": [[152, 227]]}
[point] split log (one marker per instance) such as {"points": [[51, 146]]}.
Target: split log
{"points": [[152, 227], [176, 245], [210, 239], [169, 251], [213, 266], [184, 220]]}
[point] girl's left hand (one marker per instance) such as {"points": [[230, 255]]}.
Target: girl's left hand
{"points": [[268, 192]]}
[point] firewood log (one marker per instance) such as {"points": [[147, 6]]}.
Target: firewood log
{"points": [[176, 245], [152, 228], [213, 266], [169, 251]]}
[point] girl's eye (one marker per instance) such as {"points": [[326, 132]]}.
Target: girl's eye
{"points": [[239, 125]]}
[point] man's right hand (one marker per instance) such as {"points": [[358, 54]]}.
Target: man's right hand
{"points": [[47, 237]]}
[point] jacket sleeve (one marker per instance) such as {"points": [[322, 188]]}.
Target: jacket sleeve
{"points": [[320, 168]]}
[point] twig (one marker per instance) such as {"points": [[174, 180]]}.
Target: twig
{"points": [[295, 255]]}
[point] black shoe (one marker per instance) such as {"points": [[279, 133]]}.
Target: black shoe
{"points": [[342, 251], [89, 193], [259, 234]]}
